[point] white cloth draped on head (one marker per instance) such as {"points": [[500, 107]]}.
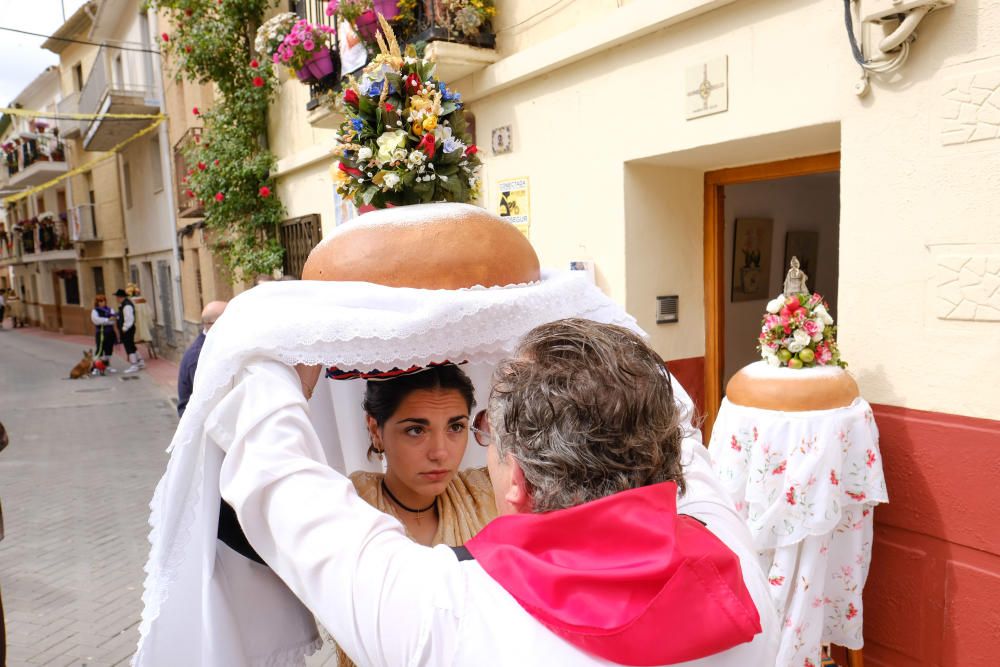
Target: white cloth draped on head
{"points": [[205, 604]]}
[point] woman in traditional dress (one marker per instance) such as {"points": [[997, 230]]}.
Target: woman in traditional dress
{"points": [[419, 424], [103, 319]]}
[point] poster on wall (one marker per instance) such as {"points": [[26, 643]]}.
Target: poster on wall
{"points": [[752, 259], [513, 204], [805, 246]]}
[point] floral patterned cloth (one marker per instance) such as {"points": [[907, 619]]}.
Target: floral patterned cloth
{"points": [[806, 483]]}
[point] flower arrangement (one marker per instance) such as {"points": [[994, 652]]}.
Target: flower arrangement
{"points": [[272, 33], [798, 332], [404, 139], [461, 18], [466, 17]]}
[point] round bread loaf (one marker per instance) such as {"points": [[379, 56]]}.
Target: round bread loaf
{"points": [[428, 246], [791, 390]]}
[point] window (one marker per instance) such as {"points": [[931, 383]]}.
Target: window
{"points": [[78, 76], [72, 286], [155, 164], [298, 237], [98, 280], [119, 81], [127, 179]]}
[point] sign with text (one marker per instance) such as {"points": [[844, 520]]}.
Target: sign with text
{"points": [[513, 204]]}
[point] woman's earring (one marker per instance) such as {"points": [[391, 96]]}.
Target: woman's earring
{"points": [[378, 453]]}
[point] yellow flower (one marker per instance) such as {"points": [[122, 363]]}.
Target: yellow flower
{"points": [[418, 128], [387, 143], [430, 123]]}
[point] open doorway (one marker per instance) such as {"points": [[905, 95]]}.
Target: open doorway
{"points": [[753, 217]]}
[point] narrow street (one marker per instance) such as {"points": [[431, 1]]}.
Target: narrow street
{"points": [[75, 483]]}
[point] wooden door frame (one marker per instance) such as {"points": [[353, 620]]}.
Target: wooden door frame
{"points": [[714, 226]]}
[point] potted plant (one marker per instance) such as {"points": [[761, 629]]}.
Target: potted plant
{"points": [[306, 50]]}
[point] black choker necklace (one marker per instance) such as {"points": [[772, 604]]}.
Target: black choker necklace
{"points": [[418, 512]]}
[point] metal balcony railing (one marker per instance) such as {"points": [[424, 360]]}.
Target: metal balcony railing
{"points": [[118, 72], [30, 148], [82, 223]]}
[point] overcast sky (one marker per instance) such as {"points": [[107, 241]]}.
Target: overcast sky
{"points": [[22, 58]]}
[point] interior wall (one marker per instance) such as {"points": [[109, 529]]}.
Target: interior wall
{"points": [[803, 203]]}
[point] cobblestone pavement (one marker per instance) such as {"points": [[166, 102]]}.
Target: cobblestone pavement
{"points": [[75, 483]]}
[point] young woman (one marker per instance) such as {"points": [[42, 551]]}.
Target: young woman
{"points": [[419, 424], [103, 318]]}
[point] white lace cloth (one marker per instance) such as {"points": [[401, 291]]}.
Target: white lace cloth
{"points": [[806, 483], [194, 600]]}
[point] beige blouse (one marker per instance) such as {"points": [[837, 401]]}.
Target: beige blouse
{"points": [[463, 509]]}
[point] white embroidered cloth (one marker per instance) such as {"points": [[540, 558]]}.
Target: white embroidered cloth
{"points": [[806, 483], [204, 605]]}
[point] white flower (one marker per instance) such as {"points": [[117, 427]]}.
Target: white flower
{"points": [[821, 314], [416, 157], [391, 180], [775, 304], [443, 177], [795, 346], [365, 153], [800, 337], [770, 357]]}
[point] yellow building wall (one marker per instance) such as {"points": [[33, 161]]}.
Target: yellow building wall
{"points": [[615, 170]]}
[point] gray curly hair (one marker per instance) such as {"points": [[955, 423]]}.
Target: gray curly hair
{"points": [[587, 410]]}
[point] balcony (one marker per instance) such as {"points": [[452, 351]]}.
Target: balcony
{"points": [[82, 224], [187, 205], [34, 158], [120, 82], [70, 128], [42, 239]]}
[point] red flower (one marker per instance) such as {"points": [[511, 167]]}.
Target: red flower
{"points": [[184, 180], [190, 193], [856, 495], [202, 166], [258, 82], [349, 170], [412, 83], [195, 111], [216, 163], [219, 196], [735, 445], [780, 468], [776, 581], [188, 12], [427, 145], [790, 496], [190, 172], [870, 459], [265, 191], [165, 37], [187, 48], [254, 64], [389, 107], [472, 149], [351, 97], [833, 478], [851, 611]]}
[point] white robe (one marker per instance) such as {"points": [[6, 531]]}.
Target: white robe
{"points": [[387, 600]]}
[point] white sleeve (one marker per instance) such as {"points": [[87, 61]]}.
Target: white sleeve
{"points": [[350, 564], [129, 317], [97, 319]]}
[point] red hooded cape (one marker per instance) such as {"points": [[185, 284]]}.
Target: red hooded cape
{"points": [[624, 577]]}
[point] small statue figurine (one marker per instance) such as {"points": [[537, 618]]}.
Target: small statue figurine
{"points": [[795, 280]]}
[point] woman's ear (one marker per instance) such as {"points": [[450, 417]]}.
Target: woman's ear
{"points": [[373, 433]]}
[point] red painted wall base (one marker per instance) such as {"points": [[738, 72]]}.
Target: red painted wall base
{"points": [[933, 592], [690, 373]]}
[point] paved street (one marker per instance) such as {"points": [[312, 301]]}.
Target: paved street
{"points": [[75, 483]]}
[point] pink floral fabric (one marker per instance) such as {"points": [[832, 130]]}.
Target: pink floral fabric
{"points": [[806, 484]]}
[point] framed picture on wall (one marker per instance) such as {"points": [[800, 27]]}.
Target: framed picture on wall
{"points": [[805, 246], [752, 259]]}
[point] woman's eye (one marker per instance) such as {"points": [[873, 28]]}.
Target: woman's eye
{"points": [[415, 431], [457, 427]]}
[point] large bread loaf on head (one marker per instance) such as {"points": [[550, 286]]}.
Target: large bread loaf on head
{"points": [[428, 246], [791, 390]]}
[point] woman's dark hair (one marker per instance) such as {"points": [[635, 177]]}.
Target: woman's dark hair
{"points": [[383, 397]]}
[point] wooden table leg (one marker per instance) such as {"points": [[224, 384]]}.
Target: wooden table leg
{"points": [[855, 658]]}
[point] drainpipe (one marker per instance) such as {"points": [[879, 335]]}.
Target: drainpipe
{"points": [[168, 183]]}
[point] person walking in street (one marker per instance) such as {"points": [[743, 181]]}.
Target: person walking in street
{"points": [[126, 325], [105, 339], [15, 306], [189, 363]]}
